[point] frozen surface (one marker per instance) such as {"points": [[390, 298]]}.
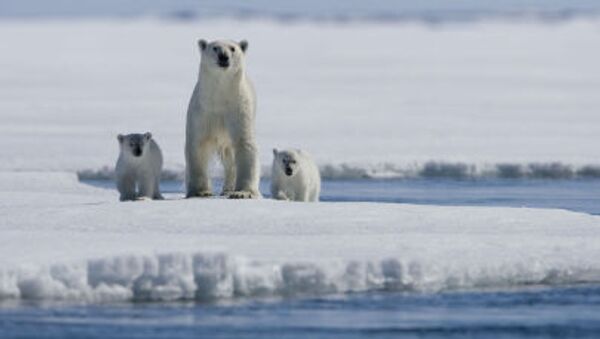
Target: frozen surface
{"points": [[64, 240], [374, 10], [381, 99], [377, 99]]}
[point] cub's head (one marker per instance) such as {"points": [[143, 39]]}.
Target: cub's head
{"points": [[134, 144], [286, 161], [224, 55]]}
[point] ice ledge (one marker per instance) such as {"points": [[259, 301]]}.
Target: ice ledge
{"points": [[215, 276], [553, 170]]}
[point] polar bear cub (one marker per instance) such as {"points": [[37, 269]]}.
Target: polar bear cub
{"points": [[139, 166], [221, 120], [294, 176]]}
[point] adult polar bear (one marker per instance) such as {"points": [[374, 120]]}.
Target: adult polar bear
{"points": [[221, 119]]}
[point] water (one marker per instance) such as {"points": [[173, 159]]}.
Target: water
{"points": [[576, 195], [526, 312], [532, 313]]}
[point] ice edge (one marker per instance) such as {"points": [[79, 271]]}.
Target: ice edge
{"points": [[209, 276]]}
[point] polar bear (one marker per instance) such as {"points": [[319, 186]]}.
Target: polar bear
{"points": [[139, 164], [294, 176], [221, 119]]}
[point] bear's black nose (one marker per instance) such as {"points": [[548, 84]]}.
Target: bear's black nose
{"points": [[223, 60], [137, 151], [288, 171]]}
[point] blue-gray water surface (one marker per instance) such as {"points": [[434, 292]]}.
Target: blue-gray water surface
{"points": [[580, 195], [536, 312], [523, 312]]}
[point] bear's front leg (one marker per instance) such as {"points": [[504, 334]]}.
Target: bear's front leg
{"points": [[246, 184], [157, 195], [280, 196], [126, 187], [148, 186], [228, 159], [196, 169]]}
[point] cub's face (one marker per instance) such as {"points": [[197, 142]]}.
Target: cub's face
{"points": [[134, 144], [287, 161], [223, 54]]}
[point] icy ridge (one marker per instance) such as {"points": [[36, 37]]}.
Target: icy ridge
{"points": [[428, 170], [217, 275]]}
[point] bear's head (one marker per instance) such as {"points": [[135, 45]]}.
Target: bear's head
{"points": [[224, 55], [286, 161], [134, 144]]}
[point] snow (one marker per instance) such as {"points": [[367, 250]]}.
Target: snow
{"points": [[62, 239], [380, 99], [383, 99], [375, 10]]}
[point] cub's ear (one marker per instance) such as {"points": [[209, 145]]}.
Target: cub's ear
{"points": [[120, 137], [275, 151], [243, 45], [202, 44], [147, 136]]}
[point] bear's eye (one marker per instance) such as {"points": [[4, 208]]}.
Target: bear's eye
{"points": [[215, 49], [232, 49]]}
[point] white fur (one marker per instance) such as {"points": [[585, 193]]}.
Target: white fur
{"points": [[142, 172], [305, 182], [221, 119]]}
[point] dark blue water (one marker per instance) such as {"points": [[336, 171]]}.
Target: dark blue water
{"points": [[575, 195], [569, 312], [527, 312], [579, 195]]}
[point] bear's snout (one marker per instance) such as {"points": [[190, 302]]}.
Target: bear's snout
{"points": [[288, 171], [223, 60], [137, 151]]}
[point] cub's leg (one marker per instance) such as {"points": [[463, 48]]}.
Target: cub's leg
{"points": [[157, 195], [126, 187], [146, 186]]}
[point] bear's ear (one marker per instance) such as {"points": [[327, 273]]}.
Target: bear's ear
{"points": [[243, 45], [147, 136], [120, 137], [202, 44], [275, 151]]}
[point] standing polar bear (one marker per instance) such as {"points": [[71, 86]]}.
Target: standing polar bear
{"points": [[294, 176], [221, 119]]}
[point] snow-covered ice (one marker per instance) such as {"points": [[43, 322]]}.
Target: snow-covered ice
{"points": [[62, 239], [384, 99]]}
